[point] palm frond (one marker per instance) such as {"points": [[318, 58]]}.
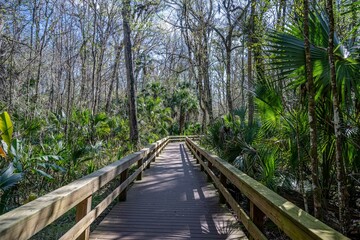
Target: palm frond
{"points": [[288, 57]]}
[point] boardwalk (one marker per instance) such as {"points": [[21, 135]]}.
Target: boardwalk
{"points": [[173, 201]]}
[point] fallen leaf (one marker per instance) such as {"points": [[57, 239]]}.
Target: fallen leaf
{"points": [[2, 153]]}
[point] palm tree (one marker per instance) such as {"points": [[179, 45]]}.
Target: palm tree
{"points": [[312, 116], [154, 116], [340, 171], [186, 103]]}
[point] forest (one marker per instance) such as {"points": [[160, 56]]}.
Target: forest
{"points": [[271, 85]]}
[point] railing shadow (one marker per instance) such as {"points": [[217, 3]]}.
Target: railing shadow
{"points": [[223, 229], [173, 201]]}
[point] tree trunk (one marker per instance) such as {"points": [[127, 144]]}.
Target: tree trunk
{"points": [[83, 57], [301, 170], [206, 76], [99, 68], [312, 117], [29, 73], [94, 59], [228, 81], [281, 15], [40, 45], [251, 107], [257, 44], [38, 52], [181, 120], [134, 134], [196, 39], [200, 86], [68, 105], [37, 78], [340, 169], [113, 76], [242, 86]]}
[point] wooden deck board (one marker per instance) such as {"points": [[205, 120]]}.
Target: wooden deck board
{"points": [[173, 201]]}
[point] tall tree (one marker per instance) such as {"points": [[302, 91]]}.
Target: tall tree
{"points": [[233, 15], [251, 107], [195, 24], [41, 40], [115, 74], [340, 169], [312, 115], [131, 92]]}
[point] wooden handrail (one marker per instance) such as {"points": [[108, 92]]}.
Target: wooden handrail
{"points": [[293, 221], [25, 221], [180, 138]]}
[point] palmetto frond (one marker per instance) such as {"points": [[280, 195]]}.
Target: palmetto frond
{"points": [[9, 177], [288, 55]]}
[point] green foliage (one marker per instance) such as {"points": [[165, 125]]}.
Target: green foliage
{"points": [[288, 59], [6, 128], [164, 111], [102, 129], [287, 49], [52, 149], [267, 150], [154, 116], [245, 147], [184, 105], [9, 177], [192, 129]]}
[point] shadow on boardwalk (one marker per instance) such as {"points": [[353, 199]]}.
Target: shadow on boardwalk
{"points": [[173, 201]]}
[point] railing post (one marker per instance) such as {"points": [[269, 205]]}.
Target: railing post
{"points": [[210, 168], [256, 216], [203, 160], [123, 177], [139, 165], [155, 154], [158, 151], [83, 208], [223, 179], [197, 154]]}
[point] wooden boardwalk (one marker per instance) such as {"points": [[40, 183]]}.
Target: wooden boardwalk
{"points": [[173, 201]]}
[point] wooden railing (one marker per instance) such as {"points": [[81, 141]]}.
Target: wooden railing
{"points": [[27, 220], [182, 138], [293, 221]]}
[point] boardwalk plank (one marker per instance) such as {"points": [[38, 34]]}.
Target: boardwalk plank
{"points": [[173, 201]]}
